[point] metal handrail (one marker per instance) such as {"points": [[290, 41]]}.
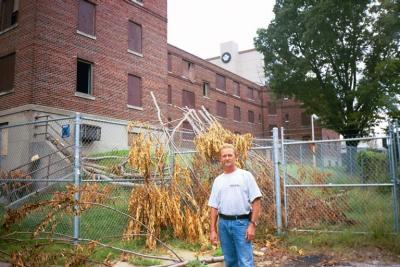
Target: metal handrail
{"points": [[42, 157]]}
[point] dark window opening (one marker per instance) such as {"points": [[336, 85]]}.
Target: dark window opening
{"points": [[272, 108], [205, 88], [305, 119], [221, 109], [135, 37], [86, 17], [286, 117], [187, 129], [250, 93], [7, 70], [169, 62], [236, 113], [220, 82], [8, 13], [236, 89], [84, 77], [134, 91], [169, 94], [251, 116], [188, 99], [188, 69]]}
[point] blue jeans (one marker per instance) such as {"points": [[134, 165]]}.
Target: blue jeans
{"points": [[237, 250]]}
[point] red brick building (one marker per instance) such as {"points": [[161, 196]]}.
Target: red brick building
{"points": [[103, 58]]}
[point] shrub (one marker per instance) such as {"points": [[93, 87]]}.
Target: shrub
{"points": [[373, 166]]}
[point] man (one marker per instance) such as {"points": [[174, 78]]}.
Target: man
{"points": [[235, 200]]}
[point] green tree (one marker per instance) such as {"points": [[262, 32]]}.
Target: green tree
{"points": [[340, 58]]}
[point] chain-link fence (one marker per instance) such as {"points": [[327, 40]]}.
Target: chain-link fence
{"points": [[340, 185], [322, 185]]}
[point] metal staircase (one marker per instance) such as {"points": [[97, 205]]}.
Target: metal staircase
{"points": [[42, 171]]}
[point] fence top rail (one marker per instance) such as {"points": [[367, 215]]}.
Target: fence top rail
{"points": [[194, 151], [35, 122], [335, 140], [338, 185]]}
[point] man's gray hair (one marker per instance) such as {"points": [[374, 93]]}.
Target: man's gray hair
{"points": [[226, 145]]}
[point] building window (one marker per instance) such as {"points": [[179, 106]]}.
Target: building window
{"points": [[7, 70], [169, 62], [221, 109], [251, 116], [220, 82], [187, 131], [206, 87], [86, 17], [255, 94], [3, 139], [305, 119], [236, 113], [271, 127], [169, 94], [134, 91], [135, 37], [272, 108], [8, 13], [188, 69], [84, 76], [188, 99], [259, 118], [287, 117], [250, 93], [236, 89]]}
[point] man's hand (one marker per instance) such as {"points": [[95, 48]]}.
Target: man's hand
{"points": [[251, 231], [214, 238]]}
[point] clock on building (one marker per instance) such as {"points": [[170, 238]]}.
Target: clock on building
{"points": [[226, 57]]}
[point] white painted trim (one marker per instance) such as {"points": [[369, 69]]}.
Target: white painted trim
{"points": [[134, 107], [135, 53], [86, 35], [86, 96], [9, 28], [137, 2], [7, 92]]}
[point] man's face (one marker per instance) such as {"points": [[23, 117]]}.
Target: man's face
{"points": [[227, 157]]}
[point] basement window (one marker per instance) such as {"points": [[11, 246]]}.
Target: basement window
{"points": [[7, 70], [84, 77], [8, 13]]}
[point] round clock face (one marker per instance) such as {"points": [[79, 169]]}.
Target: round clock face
{"points": [[226, 57]]}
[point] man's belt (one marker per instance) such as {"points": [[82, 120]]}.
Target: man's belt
{"points": [[234, 217]]}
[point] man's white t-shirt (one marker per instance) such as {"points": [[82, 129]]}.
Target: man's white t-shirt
{"points": [[232, 193]]}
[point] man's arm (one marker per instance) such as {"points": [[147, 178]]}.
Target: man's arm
{"points": [[213, 226], [255, 209], [255, 213]]}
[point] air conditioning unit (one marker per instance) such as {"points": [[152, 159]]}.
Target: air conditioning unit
{"points": [[90, 133]]}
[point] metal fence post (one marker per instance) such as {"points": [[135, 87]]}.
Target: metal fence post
{"points": [[392, 163], [77, 173], [284, 177], [396, 169], [275, 146]]}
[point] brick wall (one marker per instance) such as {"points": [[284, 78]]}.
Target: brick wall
{"points": [[206, 72], [47, 48], [20, 40], [57, 46]]}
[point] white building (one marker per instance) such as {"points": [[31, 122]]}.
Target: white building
{"points": [[248, 63]]}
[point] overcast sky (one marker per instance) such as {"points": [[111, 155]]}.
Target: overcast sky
{"points": [[199, 26]]}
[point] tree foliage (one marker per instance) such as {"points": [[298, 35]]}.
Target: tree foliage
{"points": [[340, 58]]}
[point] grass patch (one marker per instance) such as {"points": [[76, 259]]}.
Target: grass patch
{"points": [[343, 241], [196, 263]]}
